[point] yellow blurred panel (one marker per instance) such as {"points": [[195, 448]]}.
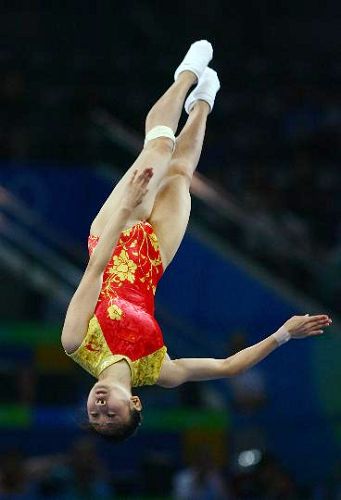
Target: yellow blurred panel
{"points": [[206, 444], [52, 359]]}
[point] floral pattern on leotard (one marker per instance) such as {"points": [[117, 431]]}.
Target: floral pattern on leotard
{"points": [[123, 268], [136, 260], [115, 312]]}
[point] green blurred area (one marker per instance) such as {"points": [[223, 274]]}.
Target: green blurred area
{"points": [[31, 334], [15, 416], [156, 419]]}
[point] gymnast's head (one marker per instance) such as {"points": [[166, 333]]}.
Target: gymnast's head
{"points": [[113, 411]]}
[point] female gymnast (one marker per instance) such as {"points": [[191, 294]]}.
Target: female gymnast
{"points": [[110, 329]]}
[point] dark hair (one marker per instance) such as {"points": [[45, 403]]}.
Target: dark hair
{"points": [[119, 432]]}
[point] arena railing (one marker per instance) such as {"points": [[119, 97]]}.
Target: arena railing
{"points": [[34, 254]]}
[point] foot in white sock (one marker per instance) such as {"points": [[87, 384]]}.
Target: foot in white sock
{"points": [[206, 90], [197, 58]]}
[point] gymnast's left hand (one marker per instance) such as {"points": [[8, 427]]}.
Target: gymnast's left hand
{"points": [[300, 327], [137, 188]]}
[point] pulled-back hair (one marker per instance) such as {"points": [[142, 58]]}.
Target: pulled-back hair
{"points": [[118, 432]]}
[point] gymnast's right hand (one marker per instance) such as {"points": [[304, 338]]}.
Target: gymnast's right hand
{"points": [[300, 327], [137, 188]]}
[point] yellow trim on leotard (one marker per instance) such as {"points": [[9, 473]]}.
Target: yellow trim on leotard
{"points": [[94, 356]]}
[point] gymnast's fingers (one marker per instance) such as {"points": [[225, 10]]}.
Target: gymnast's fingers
{"points": [[133, 177]]}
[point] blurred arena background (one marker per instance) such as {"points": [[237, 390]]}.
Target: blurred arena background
{"points": [[264, 243]]}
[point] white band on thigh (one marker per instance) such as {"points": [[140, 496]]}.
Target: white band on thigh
{"points": [[160, 131]]}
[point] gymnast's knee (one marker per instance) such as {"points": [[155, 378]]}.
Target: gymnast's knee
{"points": [[181, 169]]}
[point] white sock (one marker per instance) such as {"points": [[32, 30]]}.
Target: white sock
{"points": [[197, 58], [206, 90]]}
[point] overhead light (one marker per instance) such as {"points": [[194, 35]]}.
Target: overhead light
{"points": [[248, 458]]}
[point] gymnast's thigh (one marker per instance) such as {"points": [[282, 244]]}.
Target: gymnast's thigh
{"points": [[170, 215], [156, 155]]}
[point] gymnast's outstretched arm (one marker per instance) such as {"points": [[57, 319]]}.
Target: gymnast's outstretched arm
{"points": [[178, 371], [84, 300]]}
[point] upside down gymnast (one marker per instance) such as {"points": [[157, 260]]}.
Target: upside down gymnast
{"points": [[110, 329]]}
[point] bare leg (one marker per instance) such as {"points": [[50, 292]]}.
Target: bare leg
{"points": [[156, 154], [172, 206], [167, 110]]}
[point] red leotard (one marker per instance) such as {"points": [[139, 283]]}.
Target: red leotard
{"points": [[124, 314]]}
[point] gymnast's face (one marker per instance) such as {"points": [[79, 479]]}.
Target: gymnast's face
{"points": [[110, 405]]}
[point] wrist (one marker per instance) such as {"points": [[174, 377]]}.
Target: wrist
{"points": [[281, 336]]}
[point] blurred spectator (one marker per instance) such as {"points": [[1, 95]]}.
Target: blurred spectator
{"points": [[157, 472], [78, 474], [81, 475], [202, 480], [266, 480], [275, 481], [15, 482]]}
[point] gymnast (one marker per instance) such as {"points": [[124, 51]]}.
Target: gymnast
{"points": [[110, 329]]}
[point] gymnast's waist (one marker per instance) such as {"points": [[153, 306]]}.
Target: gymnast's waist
{"points": [[126, 325], [132, 296], [121, 308]]}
